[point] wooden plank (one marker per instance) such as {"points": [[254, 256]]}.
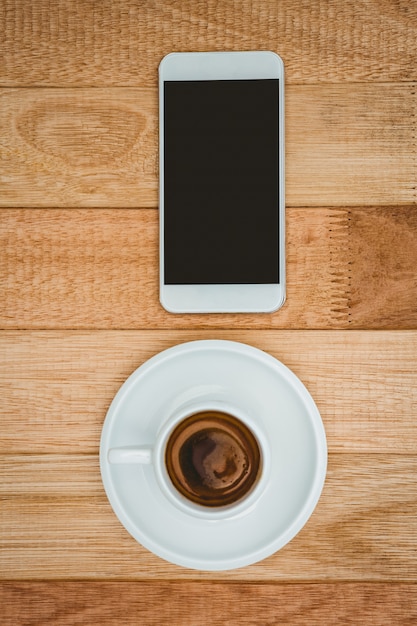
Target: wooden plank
{"points": [[98, 147], [364, 527], [121, 42], [56, 386], [346, 268], [50, 475], [201, 603]]}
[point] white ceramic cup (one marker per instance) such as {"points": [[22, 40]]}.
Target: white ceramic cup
{"points": [[155, 455]]}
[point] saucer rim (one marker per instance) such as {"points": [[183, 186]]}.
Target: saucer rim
{"points": [[246, 557]]}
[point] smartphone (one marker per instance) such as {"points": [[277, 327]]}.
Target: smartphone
{"points": [[221, 142]]}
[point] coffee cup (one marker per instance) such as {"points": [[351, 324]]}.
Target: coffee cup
{"points": [[211, 460]]}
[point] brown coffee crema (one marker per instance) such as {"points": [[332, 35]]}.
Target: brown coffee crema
{"points": [[213, 459]]}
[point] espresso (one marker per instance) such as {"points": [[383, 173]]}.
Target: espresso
{"points": [[213, 459]]}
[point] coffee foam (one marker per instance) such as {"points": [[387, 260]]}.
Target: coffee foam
{"points": [[213, 459]]}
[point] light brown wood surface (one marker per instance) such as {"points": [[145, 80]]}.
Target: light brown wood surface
{"points": [[60, 384], [79, 306], [121, 42], [99, 147], [89, 268], [64, 528], [211, 603]]}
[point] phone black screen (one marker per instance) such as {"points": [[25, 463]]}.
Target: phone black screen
{"points": [[221, 222]]}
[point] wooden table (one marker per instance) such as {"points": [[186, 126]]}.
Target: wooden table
{"points": [[79, 306]]}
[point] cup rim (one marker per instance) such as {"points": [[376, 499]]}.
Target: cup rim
{"points": [[244, 504]]}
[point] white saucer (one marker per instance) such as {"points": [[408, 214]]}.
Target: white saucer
{"points": [[267, 391]]}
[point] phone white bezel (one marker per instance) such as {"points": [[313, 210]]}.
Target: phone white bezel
{"points": [[225, 298]]}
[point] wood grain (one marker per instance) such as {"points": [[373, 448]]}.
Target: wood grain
{"points": [[98, 147], [78, 138], [346, 268], [57, 386], [121, 42], [79, 147], [202, 603], [62, 527]]}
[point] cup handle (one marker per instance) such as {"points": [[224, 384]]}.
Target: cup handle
{"points": [[139, 454]]}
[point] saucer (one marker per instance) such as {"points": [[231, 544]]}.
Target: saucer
{"points": [[246, 377]]}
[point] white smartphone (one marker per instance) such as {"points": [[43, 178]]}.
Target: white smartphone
{"points": [[222, 221]]}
